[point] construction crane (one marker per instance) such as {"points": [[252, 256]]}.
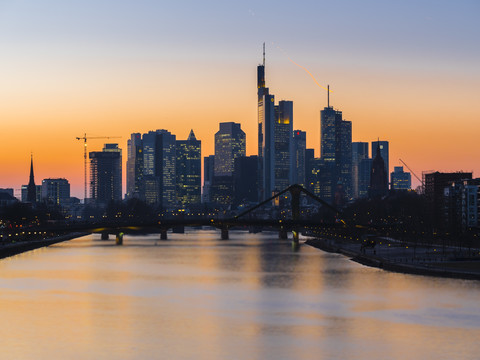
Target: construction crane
{"points": [[84, 138], [421, 181]]}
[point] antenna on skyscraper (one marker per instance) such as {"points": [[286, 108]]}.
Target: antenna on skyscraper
{"points": [[264, 54], [328, 95]]}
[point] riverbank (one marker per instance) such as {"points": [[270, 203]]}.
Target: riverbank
{"points": [[15, 248], [419, 260]]}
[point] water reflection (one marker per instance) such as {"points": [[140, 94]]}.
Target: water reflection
{"points": [[195, 296]]}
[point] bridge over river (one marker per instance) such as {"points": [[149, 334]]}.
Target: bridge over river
{"points": [[243, 220]]}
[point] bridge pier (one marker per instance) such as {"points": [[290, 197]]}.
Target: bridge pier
{"points": [[295, 192], [283, 234], [104, 235], [119, 239], [224, 233], [163, 234], [295, 236]]}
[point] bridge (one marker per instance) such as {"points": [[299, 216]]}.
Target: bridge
{"points": [[242, 220]]}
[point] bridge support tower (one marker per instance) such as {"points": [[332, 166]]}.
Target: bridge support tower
{"points": [[224, 233], [119, 239], [295, 192], [282, 233], [104, 235], [163, 234]]}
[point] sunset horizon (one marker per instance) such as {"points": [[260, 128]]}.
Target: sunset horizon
{"points": [[411, 83]]}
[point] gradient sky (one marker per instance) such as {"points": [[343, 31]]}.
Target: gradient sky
{"points": [[404, 71]]}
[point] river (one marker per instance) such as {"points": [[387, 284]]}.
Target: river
{"points": [[250, 297]]}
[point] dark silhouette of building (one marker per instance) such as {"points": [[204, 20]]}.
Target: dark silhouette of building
{"points": [[461, 206], [309, 160], [245, 180], [7, 190], [299, 163], [134, 166], [208, 173], [266, 130], [189, 170], [383, 145], [56, 191], [222, 192], [336, 152], [106, 174], [435, 185], [159, 169], [378, 177], [31, 188], [7, 199], [283, 137], [364, 173], [400, 180], [359, 153]]}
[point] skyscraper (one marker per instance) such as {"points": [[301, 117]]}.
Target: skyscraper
{"points": [[298, 163], [245, 182], [275, 131], [336, 153], [189, 170], [359, 153], [208, 172], [134, 165], [283, 137], [364, 173], [229, 144], [159, 169], [106, 174]]}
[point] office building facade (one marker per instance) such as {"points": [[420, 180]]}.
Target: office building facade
{"points": [[359, 153], [298, 162], [283, 138], [189, 170], [134, 166], [159, 168], [230, 142], [336, 153], [56, 191], [106, 174], [400, 180]]}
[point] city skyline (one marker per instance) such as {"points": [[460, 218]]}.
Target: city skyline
{"points": [[403, 74]]}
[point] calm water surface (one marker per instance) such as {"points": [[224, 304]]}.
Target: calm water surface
{"points": [[251, 297]]}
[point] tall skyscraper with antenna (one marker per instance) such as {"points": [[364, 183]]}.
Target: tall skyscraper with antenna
{"points": [[266, 123], [336, 154], [275, 133]]}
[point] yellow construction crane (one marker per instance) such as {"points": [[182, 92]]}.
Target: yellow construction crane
{"points": [[84, 138]]}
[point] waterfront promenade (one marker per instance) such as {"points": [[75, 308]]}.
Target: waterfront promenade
{"points": [[392, 255], [18, 247]]}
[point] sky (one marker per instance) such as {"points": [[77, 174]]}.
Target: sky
{"points": [[403, 71]]}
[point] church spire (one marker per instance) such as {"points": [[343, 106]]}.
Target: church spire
{"points": [[191, 136], [31, 188]]}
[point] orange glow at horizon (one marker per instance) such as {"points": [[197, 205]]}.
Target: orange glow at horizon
{"points": [[424, 124]]}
